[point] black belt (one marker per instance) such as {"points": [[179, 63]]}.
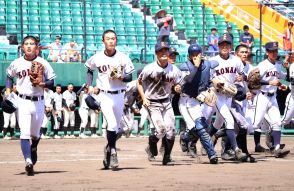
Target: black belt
{"points": [[113, 92], [32, 98], [268, 94], [159, 100]]}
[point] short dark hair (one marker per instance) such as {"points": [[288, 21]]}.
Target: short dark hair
{"points": [[108, 31], [58, 85], [290, 23], [29, 37], [245, 27], [240, 46], [70, 84]]}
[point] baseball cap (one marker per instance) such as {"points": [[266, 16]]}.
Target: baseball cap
{"points": [[225, 38], [161, 45], [213, 29], [229, 26], [173, 50], [194, 48], [272, 46]]}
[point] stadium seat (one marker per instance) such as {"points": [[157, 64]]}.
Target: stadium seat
{"points": [[120, 30], [56, 29], [44, 5], [12, 29], [45, 28], [45, 19], [44, 12], [119, 23], [90, 30], [79, 39], [34, 29], [78, 30], [66, 29], [2, 19], [99, 30]]}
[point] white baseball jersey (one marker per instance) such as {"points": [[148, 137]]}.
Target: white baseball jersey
{"points": [[58, 101], [69, 97], [82, 98], [48, 96], [158, 81], [104, 64], [269, 72], [20, 68], [227, 70]]}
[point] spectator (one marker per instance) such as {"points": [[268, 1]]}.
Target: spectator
{"points": [[212, 41], [247, 38], [55, 50], [71, 52], [229, 32], [165, 24], [173, 53], [287, 42]]}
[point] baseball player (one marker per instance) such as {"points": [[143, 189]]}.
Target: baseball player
{"points": [[48, 97], [57, 111], [289, 106], [69, 98], [31, 98], [83, 110], [114, 70], [9, 118], [196, 80], [265, 99], [94, 114], [154, 86], [229, 70]]}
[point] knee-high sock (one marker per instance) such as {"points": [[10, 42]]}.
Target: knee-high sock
{"points": [[277, 137], [26, 148], [35, 143], [232, 138], [111, 138], [257, 138]]}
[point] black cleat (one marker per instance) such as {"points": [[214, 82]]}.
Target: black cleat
{"points": [[106, 160], [280, 153], [193, 151], [213, 160], [251, 159], [167, 160], [34, 155], [29, 169]]}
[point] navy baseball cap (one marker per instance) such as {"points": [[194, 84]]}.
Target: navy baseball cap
{"points": [[229, 26], [272, 46], [173, 50], [161, 45], [225, 38], [194, 48]]}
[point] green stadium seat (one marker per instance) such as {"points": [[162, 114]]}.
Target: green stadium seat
{"points": [[78, 30], [96, 7], [191, 33], [55, 5], [180, 25], [67, 37], [117, 14], [45, 28], [177, 9], [120, 30], [155, 2], [56, 29], [65, 13], [79, 39], [44, 5], [119, 23], [34, 20], [90, 39], [77, 13], [131, 31], [97, 13], [45, 38], [131, 39], [98, 21], [66, 20], [34, 29], [76, 6], [89, 13], [65, 5], [45, 19], [12, 19], [11, 4], [2, 19], [25, 28], [184, 2], [2, 11], [25, 20], [127, 15], [11, 12], [90, 30], [33, 12], [121, 40], [55, 13], [154, 9], [90, 21], [197, 9], [116, 7], [140, 31], [67, 29], [176, 2], [187, 9], [167, 8], [44, 12], [33, 4], [76, 20]]}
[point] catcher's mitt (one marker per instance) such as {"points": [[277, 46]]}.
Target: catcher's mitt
{"points": [[36, 73], [209, 97], [253, 79], [228, 89], [116, 72], [72, 107]]}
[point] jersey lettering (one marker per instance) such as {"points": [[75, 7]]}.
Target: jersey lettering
{"points": [[22, 73], [271, 73], [226, 70], [102, 69]]}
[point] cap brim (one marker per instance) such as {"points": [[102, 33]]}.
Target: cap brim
{"points": [[271, 48], [176, 53], [161, 10], [225, 41]]}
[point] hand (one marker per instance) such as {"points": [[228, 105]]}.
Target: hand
{"points": [[249, 96], [283, 87], [136, 110], [146, 102], [275, 82], [286, 64], [178, 88], [239, 78], [197, 60], [96, 111], [7, 92], [56, 113]]}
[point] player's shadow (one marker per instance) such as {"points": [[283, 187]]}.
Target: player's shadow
{"points": [[44, 172], [126, 168]]}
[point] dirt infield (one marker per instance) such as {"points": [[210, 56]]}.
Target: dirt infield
{"points": [[77, 165]]}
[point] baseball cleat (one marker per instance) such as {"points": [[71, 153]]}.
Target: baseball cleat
{"points": [[250, 159], [150, 155], [259, 149], [167, 160], [113, 161], [34, 155], [106, 160], [228, 155], [7, 138], [280, 153], [192, 152], [29, 169], [213, 160], [240, 156], [183, 144]]}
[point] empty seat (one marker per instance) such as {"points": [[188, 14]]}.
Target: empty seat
{"points": [[78, 29], [45, 28], [34, 29], [67, 29], [90, 30]]}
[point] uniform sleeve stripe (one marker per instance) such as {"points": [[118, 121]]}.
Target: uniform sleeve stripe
{"points": [[131, 71], [52, 77], [88, 67]]}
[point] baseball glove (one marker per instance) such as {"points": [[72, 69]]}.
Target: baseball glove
{"points": [[116, 72], [253, 79], [36, 73], [209, 97], [72, 107], [228, 89]]}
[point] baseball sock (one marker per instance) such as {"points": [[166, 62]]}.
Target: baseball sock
{"points": [[257, 138], [44, 131], [277, 138], [4, 132], [72, 128], [65, 130], [11, 131], [55, 131], [111, 138], [242, 140], [35, 143], [232, 138], [26, 149], [94, 130], [212, 130], [82, 130]]}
